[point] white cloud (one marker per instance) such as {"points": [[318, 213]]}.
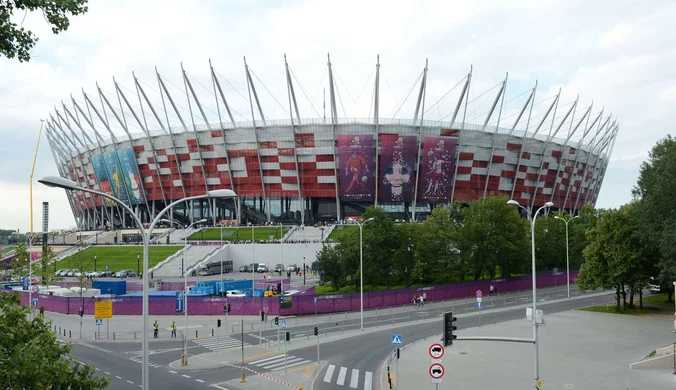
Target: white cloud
{"points": [[614, 53]]}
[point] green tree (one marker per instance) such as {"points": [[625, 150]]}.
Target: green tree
{"points": [[33, 358], [42, 269], [16, 40], [655, 191]]}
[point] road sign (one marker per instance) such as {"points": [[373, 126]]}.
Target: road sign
{"points": [[283, 324], [479, 299], [436, 371], [99, 322], [35, 288], [397, 339], [35, 302], [539, 383], [436, 350], [315, 299], [437, 381], [106, 268], [479, 294], [479, 304], [103, 309]]}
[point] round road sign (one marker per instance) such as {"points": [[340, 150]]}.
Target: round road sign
{"points": [[436, 371], [479, 294], [436, 351], [35, 288]]}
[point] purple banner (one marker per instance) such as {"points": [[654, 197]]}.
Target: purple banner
{"points": [[436, 169], [397, 162], [356, 156]]}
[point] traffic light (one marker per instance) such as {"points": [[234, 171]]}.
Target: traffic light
{"points": [[449, 327], [218, 323], [229, 308], [316, 331], [398, 353], [262, 316], [81, 313], [276, 320], [225, 309], [288, 336]]}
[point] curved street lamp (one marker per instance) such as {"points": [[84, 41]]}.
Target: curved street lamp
{"points": [[66, 184], [531, 219], [567, 260], [361, 271]]}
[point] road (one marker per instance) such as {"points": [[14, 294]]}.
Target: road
{"points": [[353, 361]]}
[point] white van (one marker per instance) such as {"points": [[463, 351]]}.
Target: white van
{"points": [[262, 267]]}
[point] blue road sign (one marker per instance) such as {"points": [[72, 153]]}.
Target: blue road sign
{"points": [[99, 322], [106, 268], [479, 304], [397, 339], [283, 324], [315, 299], [35, 302], [25, 283], [179, 302]]}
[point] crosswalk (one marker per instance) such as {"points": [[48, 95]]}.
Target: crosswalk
{"points": [[219, 344], [354, 377], [276, 363]]}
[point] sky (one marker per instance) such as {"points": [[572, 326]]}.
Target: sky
{"points": [[617, 54]]}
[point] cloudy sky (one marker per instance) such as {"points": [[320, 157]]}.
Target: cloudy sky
{"points": [[615, 53]]}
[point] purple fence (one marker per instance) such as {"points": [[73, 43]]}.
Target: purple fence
{"points": [[302, 303]]}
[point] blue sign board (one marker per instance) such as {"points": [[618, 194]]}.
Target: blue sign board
{"points": [[179, 302], [106, 268], [99, 322], [35, 302], [25, 283], [315, 299], [283, 324], [479, 304], [397, 339]]}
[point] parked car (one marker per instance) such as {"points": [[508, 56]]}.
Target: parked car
{"points": [[70, 273], [654, 289], [290, 292], [58, 273], [235, 293], [106, 274], [291, 268], [262, 267], [243, 268], [125, 273], [62, 272], [77, 274], [279, 268]]}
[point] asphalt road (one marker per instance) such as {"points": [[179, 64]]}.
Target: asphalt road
{"points": [[355, 359]]}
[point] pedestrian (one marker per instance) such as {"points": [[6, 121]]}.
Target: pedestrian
{"points": [[415, 300], [424, 299], [156, 327], [491, 289], [495, 289], [42, 311], [173, 329]]}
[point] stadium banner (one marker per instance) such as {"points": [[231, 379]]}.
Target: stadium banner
{"points": [[437, 169], [397, 162], [115, 177], [102, 177], [131, 176], [356, 156]]}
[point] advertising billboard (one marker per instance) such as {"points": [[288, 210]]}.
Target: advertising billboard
{"points": [[356, 176], [102, 177], [115, 177], [437, 167], [131, 176], [397, 161]]}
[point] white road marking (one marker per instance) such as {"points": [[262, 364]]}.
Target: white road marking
{"points": [[199, 380], [368, 380], [173, 372], [354, 379], [106, 372], [118, 377], [128, 381], [329, 373], [341, 376], [185, 376], [292, 365], [255, 362]]}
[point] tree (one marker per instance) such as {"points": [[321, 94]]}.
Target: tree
{"points": [[42, 267], [655, 191], [32, 356], [16, 40]]}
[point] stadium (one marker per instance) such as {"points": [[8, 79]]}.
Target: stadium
{"points": [[151, 145]]}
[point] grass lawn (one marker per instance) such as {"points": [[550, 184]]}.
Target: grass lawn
{"points": [[651, 304], [6, 249], [340, 230], [120, 257], [242, 233]]}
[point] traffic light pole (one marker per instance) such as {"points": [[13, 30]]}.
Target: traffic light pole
{"points": [[317, 347]]}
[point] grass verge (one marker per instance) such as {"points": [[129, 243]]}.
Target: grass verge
{"points": [[243, 233], [120, 257], [651, 304], [341, 230]]}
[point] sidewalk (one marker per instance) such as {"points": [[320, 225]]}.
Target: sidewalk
{"points": [[578, 350]]}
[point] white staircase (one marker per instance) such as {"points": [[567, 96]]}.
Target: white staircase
{"points": [[307, 234], [178, 235], [171, 267]]}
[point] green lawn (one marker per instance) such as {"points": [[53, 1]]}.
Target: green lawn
{"points": [[120, 257], [340, 230], [243, 233], [656, 303], [6, 249]]}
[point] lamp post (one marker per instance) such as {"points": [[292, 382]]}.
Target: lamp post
{"points": [[536, 361], [361, 272], [30, 271], [185, 281], [253, 262], [281, 273], [567, 260], [59, 182]]}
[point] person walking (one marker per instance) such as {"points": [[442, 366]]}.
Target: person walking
{"points": [[156, 327], [173, 329], [423, 299]]}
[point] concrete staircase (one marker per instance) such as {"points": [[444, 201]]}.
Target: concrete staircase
{"points": [[171, 267], [307, 234]]}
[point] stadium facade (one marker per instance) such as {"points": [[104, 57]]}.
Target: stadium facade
{"points": [[301, 170]]}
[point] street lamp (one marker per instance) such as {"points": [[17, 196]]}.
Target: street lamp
{"points": [[281, 273], [361, 271], [567, 260], [30, 271], [532, 219], [60, 182]]}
